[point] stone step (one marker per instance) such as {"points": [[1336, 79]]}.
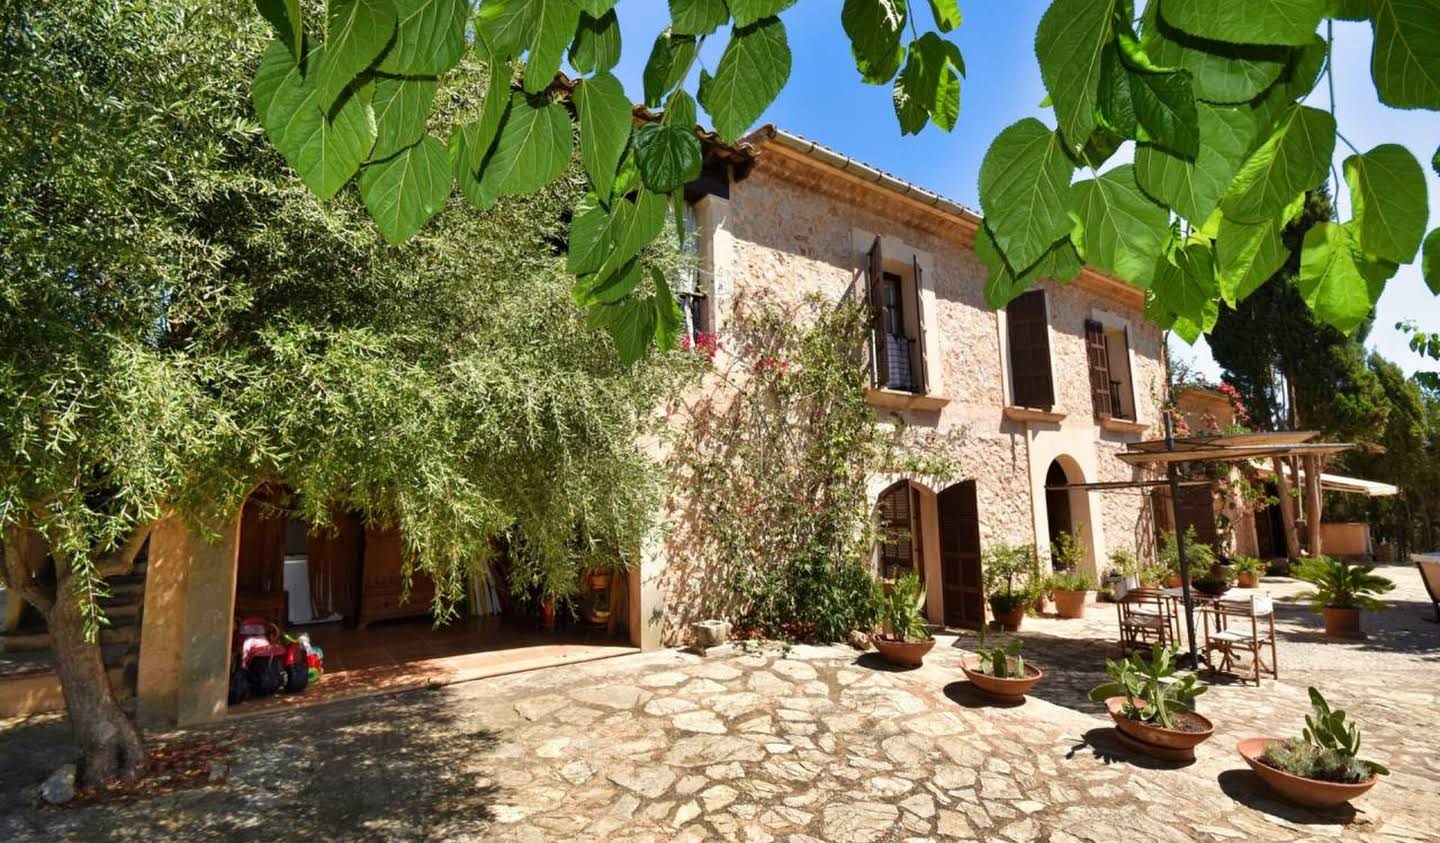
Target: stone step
{"points": [[28, 684], [122, 631]]}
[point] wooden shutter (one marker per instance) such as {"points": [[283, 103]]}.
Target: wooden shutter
{"points": [[918, 378], [896, 538], [1099, 369], [1134, 411], [960, 574], [877, 314], [1029, 336]]}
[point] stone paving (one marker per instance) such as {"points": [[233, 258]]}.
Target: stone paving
{"points": [[798, 745]]}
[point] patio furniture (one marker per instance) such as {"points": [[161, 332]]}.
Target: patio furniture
{"points": [[1145, 619], [1247, 627], [1429, 565]]}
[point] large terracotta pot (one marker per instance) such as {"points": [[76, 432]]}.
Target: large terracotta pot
{"points": [[903, 653], [1070, 604], [1166, 744], [1342, 623], [1309, 792], [1246, 579], [1009, 621], [1172, 581], [1006, 689]]}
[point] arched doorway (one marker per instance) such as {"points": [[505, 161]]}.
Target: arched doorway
{"points": [[900, 549], [960, 576], [1067, 510]]}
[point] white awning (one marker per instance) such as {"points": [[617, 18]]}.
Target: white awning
{"points": [[1341, 483]]}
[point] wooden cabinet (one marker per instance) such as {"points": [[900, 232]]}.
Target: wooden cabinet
{"points": [[381, 581]]}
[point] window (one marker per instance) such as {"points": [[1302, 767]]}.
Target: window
{"points": [[1028, 333], [899, 548], [690, 286], [898, 337], [1108, 350]]}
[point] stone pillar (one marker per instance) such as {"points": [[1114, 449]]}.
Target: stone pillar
{"points": [[184, 671], [1287, 509], [647, 595], [1313, 503]]}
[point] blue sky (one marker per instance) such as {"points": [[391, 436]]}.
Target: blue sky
{"points": [[826, 101]]}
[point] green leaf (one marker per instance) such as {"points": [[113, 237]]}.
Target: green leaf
{"points": [[324, 152], [1430, 262], [1165, 110], [506, 27], [1405, 62], [632, 226], [697, 17], [875, 28], [1248, 254], [429, 37], [285, 18], [1119, 229], [1295, 158], [1117, 106], [597, 43], [596, 8], [589, 240], [617, 285], [605, 121], [356, 31], [668, 317], [946, 13], [1283, 22], [747, 12], [1339, 282], [927, 88], [1349, 9], [681, 110], [1185, 283], [406, 190], [753, 69], [670, 59], [1061, 263], [1024, 190], [1388, 200], [1221, 72], [555, 24], [401, 108], [533, 149], [1069, 44], [1435, 161], [1193, 188], [668, 156], [631, 324], [492, 113]]}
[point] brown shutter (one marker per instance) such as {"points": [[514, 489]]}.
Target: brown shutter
{"points": [[919, 376], [1099, 369], [960, 569], [1029, 337], [1133, 414], [896, 538], [877, 314]]}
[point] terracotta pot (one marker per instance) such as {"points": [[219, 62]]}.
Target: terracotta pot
{"points": [[1007, 689], [1040, 603], [1172, 581], [1070, 604], [1342, 623], [1009, 621], [1246, 579], [1309, 792], [903, 653], [1147, 737]]}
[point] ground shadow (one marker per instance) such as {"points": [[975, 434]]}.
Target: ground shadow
{"points": [[1246, 788], [393, 767], [875, 661], [966, 694], [1106, 748]]}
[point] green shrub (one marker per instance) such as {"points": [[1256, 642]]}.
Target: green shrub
{"points": [[1072, 581], [1340, 585], [814, 598]]}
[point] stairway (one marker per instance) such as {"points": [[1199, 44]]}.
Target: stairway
{"points": [[28, 683]]}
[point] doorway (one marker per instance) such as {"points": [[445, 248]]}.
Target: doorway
{"points": [[960, 575]]}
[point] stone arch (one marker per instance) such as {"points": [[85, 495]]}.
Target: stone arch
{"points": [[1068, 510]]}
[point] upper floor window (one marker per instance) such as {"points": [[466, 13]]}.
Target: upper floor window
{"points": [[1111, 389], [898, 336], [1028, 335], [691, 289]]}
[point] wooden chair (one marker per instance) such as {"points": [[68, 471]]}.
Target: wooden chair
{"points": [[1247, 627], [1145, 619], [1430, 575]]}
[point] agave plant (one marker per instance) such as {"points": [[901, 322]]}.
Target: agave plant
{"points": [[903, 608], [1328, 750], [1150, 686], [1000, 661], [1339, 585]]}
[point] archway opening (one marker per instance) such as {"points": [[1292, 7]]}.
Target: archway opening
{"points": [[1067, 513]]}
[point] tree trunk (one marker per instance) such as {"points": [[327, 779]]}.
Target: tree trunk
{"points": [[1287, 510], [1313, 504], [110, 746]]}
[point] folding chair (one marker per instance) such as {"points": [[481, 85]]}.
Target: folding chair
{"points": [[1145, 619], [1247, 627]]}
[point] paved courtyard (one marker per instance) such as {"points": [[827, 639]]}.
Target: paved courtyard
{"points": [[806, 744]]}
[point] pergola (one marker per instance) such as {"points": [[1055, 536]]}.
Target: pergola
{"points": [[1172, 451]]}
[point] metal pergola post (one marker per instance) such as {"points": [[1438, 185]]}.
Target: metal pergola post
{"points": [[1172, 473]]}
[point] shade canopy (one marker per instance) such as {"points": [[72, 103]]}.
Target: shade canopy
{"points": [[1341, 483], [1230, 447]]}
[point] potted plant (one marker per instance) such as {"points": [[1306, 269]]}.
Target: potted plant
{"points": [[906, 637], [1150, 705], [600, 579], [1248, 571], [1213, 582], [1071, 588], [1198, 555], [1000, 671], [1124, 571], [1041, 586], [1319, 769], [1341, 591], [1009, 582]]}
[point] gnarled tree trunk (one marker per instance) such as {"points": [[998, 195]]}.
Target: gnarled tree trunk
{"points": [[110, 746]]}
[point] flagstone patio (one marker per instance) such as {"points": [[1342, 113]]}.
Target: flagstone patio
{"points": [[798, 745]]}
